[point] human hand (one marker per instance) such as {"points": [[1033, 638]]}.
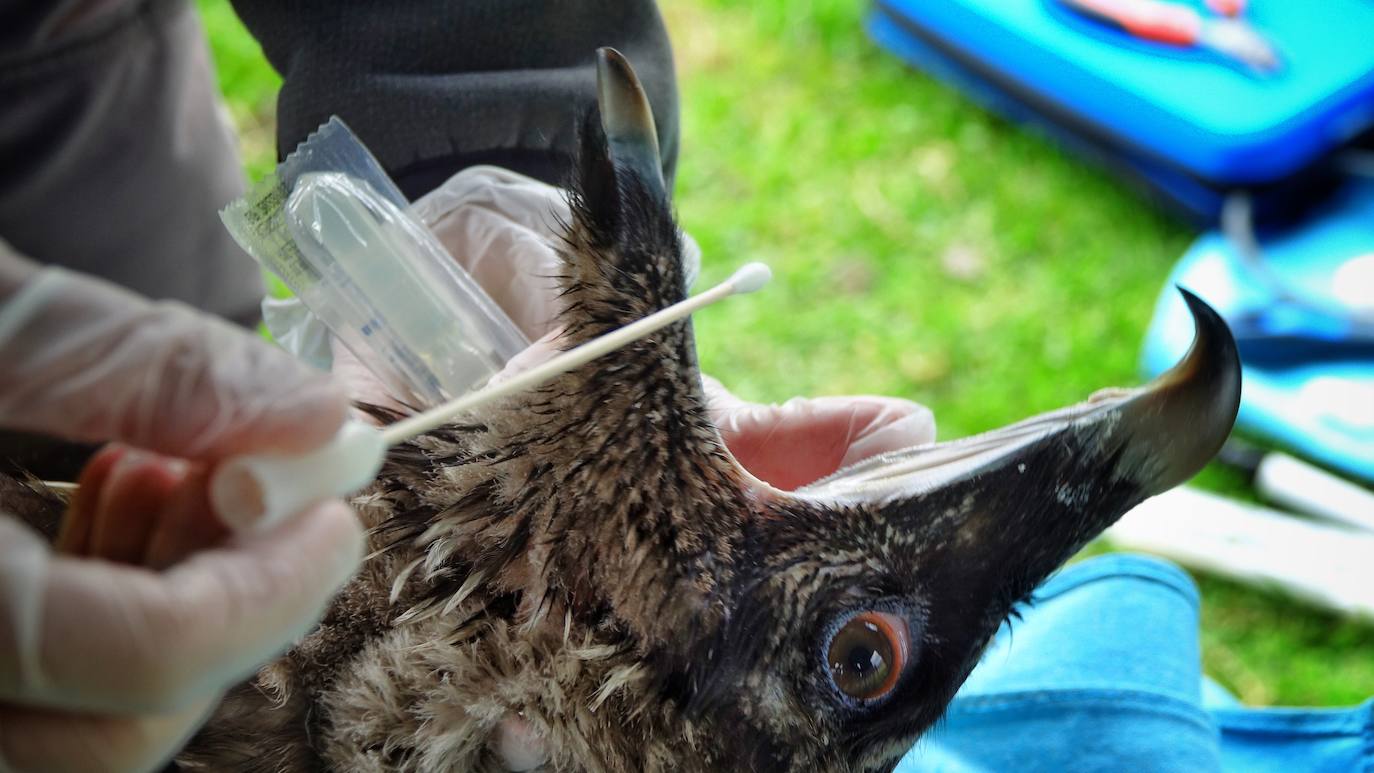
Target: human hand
{"points": [[110, 667]]}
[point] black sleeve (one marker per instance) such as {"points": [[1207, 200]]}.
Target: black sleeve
{"points": [[433, 86]]}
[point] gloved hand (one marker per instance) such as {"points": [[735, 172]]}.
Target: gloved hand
{"points": [[106, 666]]}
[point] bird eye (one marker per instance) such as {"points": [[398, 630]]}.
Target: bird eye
{"points": [[867, 655]]}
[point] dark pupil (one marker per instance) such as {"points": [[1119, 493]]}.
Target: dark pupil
{"points": [[860, 657]]}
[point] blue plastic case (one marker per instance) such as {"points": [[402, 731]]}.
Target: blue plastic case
{"points": [[1190, 124], [1307, 368]]}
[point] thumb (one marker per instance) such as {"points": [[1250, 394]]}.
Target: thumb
{"points": [[90, 361]]}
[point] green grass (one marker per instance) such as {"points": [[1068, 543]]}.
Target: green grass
{"points": [[923, 248]]}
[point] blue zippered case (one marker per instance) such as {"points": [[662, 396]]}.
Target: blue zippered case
{"points": [[1189, 124], [1303, 318]]}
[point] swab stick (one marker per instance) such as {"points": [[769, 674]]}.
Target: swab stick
{"points": [[256, 490]]}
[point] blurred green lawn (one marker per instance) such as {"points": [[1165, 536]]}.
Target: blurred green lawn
{"points": [[923, 249]]}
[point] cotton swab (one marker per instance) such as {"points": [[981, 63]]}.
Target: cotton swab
{"points": [[60, 485], [257, 490]]}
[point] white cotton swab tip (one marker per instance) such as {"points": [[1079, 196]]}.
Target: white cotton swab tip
{"points": [[254, 491], [751, 277]]}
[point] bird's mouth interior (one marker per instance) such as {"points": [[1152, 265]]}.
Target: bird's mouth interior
{"points": [[919, 469], [1159, 434]]}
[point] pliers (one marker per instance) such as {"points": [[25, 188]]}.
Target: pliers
{"points": [[1176, 24]]}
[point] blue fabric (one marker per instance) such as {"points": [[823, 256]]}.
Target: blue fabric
{"points": [[1103, 673], [1186, 121]]}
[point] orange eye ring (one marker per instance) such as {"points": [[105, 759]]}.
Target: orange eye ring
{"points": [[868, 654]]}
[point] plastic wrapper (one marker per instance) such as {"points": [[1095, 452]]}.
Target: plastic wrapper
{"points": [[334, 228]]}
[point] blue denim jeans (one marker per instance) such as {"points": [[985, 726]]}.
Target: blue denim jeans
{"points": [[1104, 674]]}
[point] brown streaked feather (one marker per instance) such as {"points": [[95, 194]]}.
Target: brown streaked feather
{"points": [[37, 505]]}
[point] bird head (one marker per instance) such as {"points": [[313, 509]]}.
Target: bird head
{"points": [[834, 622], [752, 628]]}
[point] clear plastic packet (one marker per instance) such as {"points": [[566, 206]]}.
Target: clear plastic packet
{"points": [[335, 228]]}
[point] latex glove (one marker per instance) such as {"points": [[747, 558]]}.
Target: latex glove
{"points": [[89, 361], [110, 667], [501, 227]]}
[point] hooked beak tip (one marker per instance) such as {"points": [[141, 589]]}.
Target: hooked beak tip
{"points": [[1185, 415], [1212, 360], [626, 117]]}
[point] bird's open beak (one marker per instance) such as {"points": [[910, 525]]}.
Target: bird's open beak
{"points": [[626, 116], [1150, 439]]}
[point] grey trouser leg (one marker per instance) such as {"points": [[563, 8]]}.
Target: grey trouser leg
{"points": [[114, 157], [433, 86]]}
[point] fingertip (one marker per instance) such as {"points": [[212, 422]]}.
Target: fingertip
{"points": [[259, 593], [127, 511], [340, 524], [869, 415], [804, 439], [75, 535]]}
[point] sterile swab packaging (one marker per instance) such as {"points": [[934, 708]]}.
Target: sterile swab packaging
{"points": [[336, 230]]}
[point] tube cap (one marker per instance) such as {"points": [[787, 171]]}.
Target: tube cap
{"points": [[255, 491]]}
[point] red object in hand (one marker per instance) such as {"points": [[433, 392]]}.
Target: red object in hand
{"points": [[1232, 8], [1175, 24], [1160, 22]]}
